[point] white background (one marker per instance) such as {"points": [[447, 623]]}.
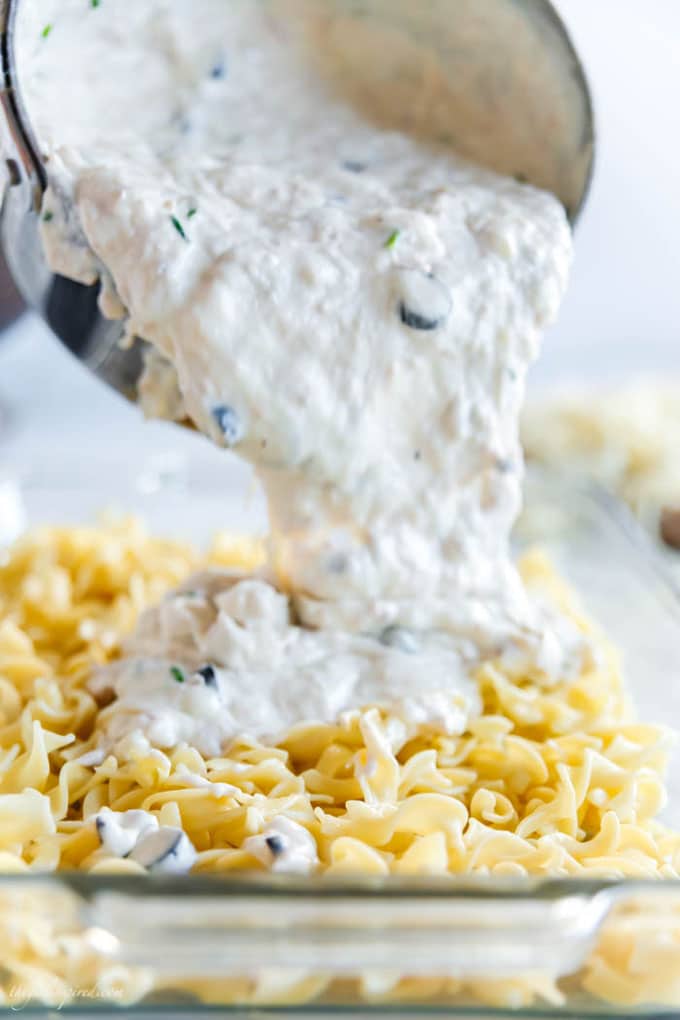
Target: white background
{"points": [[622, 314]]}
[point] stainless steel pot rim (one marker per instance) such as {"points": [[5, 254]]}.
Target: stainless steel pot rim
{"points": [[71, 309]]}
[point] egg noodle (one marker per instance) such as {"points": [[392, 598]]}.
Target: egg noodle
{"points": [[626, 437], [555, 782]]}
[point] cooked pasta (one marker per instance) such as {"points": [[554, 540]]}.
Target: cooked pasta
{"points": [[626, 437], [558, 781]]}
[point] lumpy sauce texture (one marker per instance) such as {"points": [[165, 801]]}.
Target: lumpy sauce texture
{"points": [[325, 287]]}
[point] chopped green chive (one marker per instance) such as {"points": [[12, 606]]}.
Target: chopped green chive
{"points": [[392, 239], [177, 674], [191, 213], [48, 216], [179, 228], [46, 31], [95, 3]]}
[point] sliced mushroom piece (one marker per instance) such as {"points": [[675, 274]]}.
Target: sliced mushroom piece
{"points": [[424, 301], [284, 845], [276, 845], [167, 851], [401, 638], [354, 166], [229, 424], [120, 831], [208, 674], [218, 70]]}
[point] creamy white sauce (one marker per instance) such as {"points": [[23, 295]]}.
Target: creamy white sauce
{"points": [[333, 293], [284, 846], [137, 835], [226, 659], [119, 831]]}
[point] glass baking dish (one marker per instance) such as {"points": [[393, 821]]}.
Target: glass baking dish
{"points": [[317, 947]]}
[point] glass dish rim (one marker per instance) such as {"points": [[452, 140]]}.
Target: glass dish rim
{"points": [[266, 884]]}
